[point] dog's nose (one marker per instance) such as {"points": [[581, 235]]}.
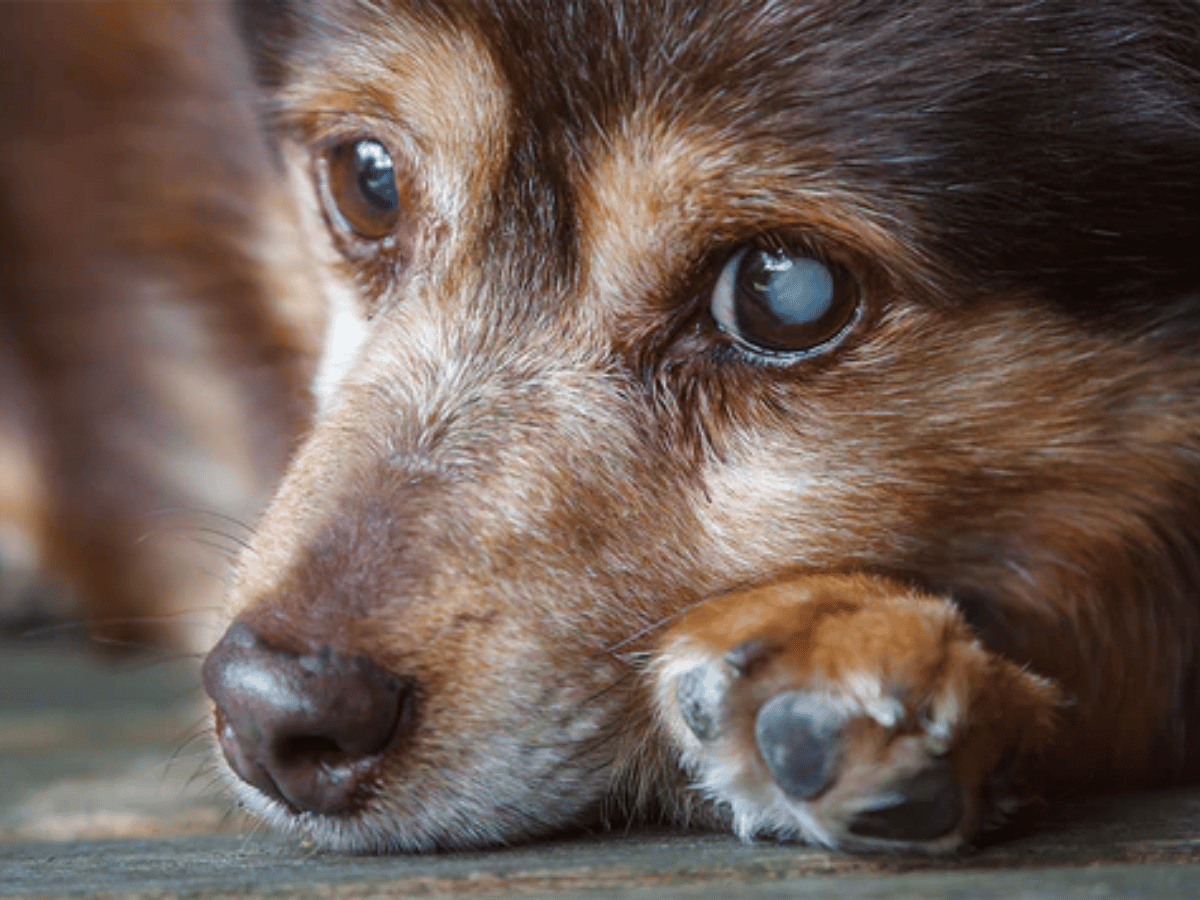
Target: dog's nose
{"points": [[306, 729]]}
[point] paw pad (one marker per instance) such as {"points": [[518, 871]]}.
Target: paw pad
{"points": [[799, 736]]}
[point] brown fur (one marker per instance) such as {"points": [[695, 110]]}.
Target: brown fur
{"points": [[541, 452], [151, 361]]}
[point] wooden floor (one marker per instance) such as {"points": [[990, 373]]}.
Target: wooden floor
{"points": [[107, 790]]}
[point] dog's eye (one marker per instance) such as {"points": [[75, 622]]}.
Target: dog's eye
{"points": [[784, 302], [362, 186]]}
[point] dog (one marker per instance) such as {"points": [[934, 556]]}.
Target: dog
{"points": [[772, 415]]}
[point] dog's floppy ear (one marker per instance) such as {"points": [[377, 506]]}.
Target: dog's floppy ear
{"points": [[267, 28]]}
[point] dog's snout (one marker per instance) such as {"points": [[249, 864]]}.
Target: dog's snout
{"points": [[307, 729]]}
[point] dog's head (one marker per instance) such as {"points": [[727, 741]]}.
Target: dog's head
{"points": [[633, 303]]}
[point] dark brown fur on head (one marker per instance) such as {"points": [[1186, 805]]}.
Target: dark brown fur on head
{"points": [[544, 446]]}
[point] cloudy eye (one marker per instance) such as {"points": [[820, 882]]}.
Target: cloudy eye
{"points": [[781, 301], [361, 179]]}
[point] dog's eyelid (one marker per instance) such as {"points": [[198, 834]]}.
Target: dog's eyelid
{"points": [[323, 128]]}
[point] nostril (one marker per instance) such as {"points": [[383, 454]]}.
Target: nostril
{"points": [[306, 729], [310, 748]]}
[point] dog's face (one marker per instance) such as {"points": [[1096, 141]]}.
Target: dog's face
{"points": [[634, 303]]}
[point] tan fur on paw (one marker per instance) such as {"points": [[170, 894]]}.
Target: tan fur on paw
{"points": [[849, 711]]}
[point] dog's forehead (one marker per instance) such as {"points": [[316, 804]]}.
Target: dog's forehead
{"points": [[613, 142], [608, 140]]}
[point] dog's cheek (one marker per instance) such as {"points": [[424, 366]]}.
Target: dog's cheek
{"points": [[927, 428], [773, 506]]}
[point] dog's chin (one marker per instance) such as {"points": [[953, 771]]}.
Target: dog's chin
{"points": [[373, 830], [391, 821]]}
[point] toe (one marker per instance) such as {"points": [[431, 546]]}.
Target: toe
{"points": [[926, 806], [700, 693]]}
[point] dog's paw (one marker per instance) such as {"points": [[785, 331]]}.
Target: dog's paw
{"points": [[848, 711]]}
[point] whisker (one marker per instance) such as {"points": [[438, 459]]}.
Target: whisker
{"points": [[86, 626], [654, 626], [204, 755], [199, 730], [201, 511], [206, 768], [224, 820], [256, 827], [217, 785], [120, 643], [225, 579], [242, 542], [188, 530], [161, 659], [635, 660], [611, 686]]}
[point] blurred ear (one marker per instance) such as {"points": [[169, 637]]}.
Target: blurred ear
{"points": [[268, 28]]}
